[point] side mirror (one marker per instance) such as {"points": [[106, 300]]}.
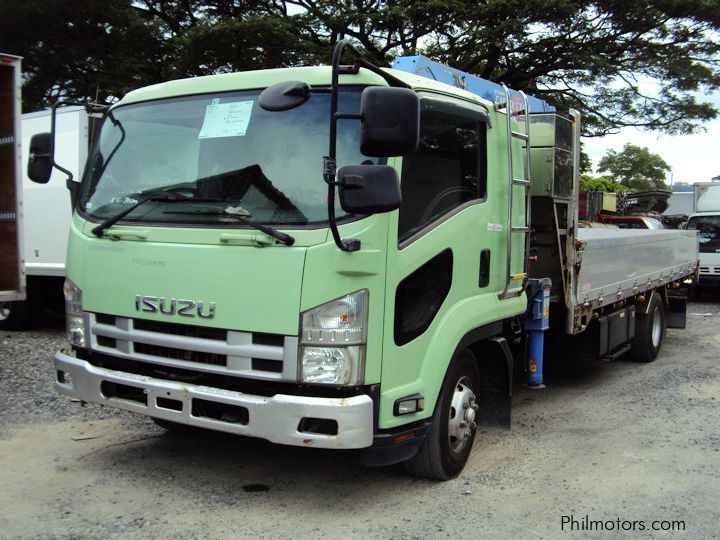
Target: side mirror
{"points": [[369, 189], [390, 121], [39, 166]]}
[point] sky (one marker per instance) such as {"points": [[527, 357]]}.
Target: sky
{"points": [[693, 158]]}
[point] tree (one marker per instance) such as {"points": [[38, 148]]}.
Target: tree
{"points": [[629, 63], [635, 167], [716, 178], [594, 56], [585, 162], [81, 49], [599, 183]]}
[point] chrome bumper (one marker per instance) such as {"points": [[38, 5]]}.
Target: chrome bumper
{"points": [[275, 418]]}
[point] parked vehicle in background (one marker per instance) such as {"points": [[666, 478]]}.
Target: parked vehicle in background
{"points": [[680, 203], [214, 280], [12, 273], [631, 222], [706, 221], [46, 215]]}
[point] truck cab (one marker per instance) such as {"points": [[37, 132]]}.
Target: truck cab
{"points": [[707, 225], [706, 221]]}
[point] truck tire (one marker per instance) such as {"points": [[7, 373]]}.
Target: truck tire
{"points": [[447, 447], [649, 332], [14, 315]]}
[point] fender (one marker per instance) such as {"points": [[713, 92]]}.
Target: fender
{"points": [[453, 332]]}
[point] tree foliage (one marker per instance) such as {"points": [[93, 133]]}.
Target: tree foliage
{"points": [[599, 183], [621, 62], [635, 167]]}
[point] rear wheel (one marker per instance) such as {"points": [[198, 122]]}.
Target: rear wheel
{"points": [[649, 332], [446, 450]]}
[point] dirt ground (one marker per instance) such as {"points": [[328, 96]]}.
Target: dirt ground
{"points": [[616, 442]]}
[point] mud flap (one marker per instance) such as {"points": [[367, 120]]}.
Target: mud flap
{"points": [[495, 392], [676, 311]]}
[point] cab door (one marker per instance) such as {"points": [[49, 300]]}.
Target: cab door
{"points": [[442, 244]]}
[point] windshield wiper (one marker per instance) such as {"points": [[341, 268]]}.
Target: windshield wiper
{"points": [[155, 196], [242, 215]]}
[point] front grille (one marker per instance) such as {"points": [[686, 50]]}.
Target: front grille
{"points": [[219, 351], [180, 354], [181, 329], [198, 375]]}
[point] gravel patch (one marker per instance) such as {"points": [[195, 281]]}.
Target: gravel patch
{"points": [[27, 375]]}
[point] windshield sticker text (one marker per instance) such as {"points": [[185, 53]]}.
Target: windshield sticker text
{"points": [[226, 120]]}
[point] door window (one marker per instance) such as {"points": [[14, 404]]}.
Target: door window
{"points": [[447, 170]]}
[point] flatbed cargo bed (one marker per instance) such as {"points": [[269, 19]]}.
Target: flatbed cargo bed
{"points": [[614, 264]]}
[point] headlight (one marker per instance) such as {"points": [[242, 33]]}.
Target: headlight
{"points": [[74, 317], [332, 339]]}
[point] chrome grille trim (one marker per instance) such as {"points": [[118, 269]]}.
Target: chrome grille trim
{"points": [[238, 348]]}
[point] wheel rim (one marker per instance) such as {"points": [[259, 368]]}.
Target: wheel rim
{"points": [[463, 411], [4, 311], [656, 328]]}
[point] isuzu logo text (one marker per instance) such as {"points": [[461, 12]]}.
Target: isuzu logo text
{"points": [[172, 306]]}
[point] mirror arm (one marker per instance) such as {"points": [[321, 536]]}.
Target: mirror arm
{"points": [[329, 161], [90, 108], [53, 114], [391, 80]]}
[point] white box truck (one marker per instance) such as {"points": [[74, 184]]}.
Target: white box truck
{"points": [[12, 275], [46, 216], [706, 221]]}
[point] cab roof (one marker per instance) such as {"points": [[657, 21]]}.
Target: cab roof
{"points": [[314, 76]]}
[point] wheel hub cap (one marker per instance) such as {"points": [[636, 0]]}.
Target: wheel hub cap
{"points": [[463, 411], [656, 328]]}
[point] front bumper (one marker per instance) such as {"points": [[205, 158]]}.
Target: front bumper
{"points": [[276, 418]]}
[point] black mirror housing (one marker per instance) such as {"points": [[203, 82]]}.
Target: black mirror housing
{"points": [[284, 96], [390, 121], [369, 189], [40, 166]]}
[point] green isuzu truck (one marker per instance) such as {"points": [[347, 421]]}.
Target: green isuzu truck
{"points": [[345, 257]]}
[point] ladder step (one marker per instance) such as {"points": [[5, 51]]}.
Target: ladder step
{"points": [[518, 135], [520, 182], [520, 229]]}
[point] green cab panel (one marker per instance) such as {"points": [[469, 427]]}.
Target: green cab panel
{"points": [[255, 289]]}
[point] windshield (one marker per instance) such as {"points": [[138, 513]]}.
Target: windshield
{"points": [[708, 228], [223, 150]]}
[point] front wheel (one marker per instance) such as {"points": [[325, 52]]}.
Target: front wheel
{"points": [[649, 332], [447, 447]]}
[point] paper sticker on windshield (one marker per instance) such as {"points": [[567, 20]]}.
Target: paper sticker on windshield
{"points": [[226, 120]]}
